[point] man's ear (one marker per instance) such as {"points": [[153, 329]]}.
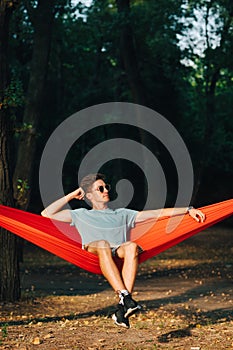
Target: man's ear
{"points": [[88, 196]]}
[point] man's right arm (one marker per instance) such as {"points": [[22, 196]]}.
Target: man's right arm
{"points": [[53, 211]]}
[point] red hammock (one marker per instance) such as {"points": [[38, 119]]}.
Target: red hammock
{"points": [[62, 240]]}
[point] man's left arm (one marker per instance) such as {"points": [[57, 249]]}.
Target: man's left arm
{"points": [[196, 214]]}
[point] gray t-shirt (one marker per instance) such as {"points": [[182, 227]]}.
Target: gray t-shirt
{"points": [[110, 225]]}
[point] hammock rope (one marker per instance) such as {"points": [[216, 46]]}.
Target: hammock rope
{"points": [[64, 240]]}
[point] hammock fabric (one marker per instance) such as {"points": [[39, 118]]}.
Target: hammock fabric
{"points": [[62, 240]]}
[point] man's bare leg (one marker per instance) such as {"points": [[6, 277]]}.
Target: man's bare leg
{"points": [[107, 264], [129, 252]]}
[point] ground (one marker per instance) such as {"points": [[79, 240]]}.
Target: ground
{"points": [[186, 294]]}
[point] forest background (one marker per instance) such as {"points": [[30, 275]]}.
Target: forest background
{"points": [[58, 57]]}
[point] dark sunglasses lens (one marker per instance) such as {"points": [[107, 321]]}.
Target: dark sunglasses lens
{"points": [[108, 187], [101, 188]]}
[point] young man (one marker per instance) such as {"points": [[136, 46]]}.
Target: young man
{"points": [[104, 233]]}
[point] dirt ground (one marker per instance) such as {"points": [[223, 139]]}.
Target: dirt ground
{"points": [[186, 295]]}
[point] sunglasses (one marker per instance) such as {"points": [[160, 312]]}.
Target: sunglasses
{"points": [[102, 188]]}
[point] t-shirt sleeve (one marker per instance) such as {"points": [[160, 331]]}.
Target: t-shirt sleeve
{"points": [[130, 217], [74, 216]]}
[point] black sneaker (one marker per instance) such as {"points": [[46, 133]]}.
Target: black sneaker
{"points": [[130, 305], [119, 318]]}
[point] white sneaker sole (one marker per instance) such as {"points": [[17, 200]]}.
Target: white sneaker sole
{"points": [[122, 324], [132, 311]]}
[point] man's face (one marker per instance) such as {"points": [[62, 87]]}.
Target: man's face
{"points": [[99, 192]]}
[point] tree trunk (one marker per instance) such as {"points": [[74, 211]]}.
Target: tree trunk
{"points": [[9, 266], [42, 18], [207, 139], [129, 58], [128, 53]]}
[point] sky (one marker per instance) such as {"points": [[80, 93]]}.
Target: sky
{"points": [[84, 2], [194, 37]]}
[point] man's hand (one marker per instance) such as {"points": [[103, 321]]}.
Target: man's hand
{"points": [[197, 214], [78, 194]]}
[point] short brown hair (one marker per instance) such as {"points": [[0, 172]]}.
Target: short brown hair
{"points": [[88, 181]]}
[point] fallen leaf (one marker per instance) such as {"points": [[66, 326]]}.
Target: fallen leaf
{"points": [[48, 336], [36, 341]]}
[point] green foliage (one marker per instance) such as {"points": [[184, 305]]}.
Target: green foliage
{"points": [[24, 127], [179, 78], [4, 333], [13, 95], [22, 190]]}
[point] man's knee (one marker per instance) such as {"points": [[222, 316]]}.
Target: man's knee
{"points": [[103, 247], [103, 244], [99, 247], [131, 248]]}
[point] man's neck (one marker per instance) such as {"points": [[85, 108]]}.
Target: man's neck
{"points": [[99, 206]]}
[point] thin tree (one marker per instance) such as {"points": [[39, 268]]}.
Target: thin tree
{"points": [[9, 266], [129, 53], [42, 20]]}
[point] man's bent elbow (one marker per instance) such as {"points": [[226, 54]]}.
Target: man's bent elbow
{"points": [[44, 213]]}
